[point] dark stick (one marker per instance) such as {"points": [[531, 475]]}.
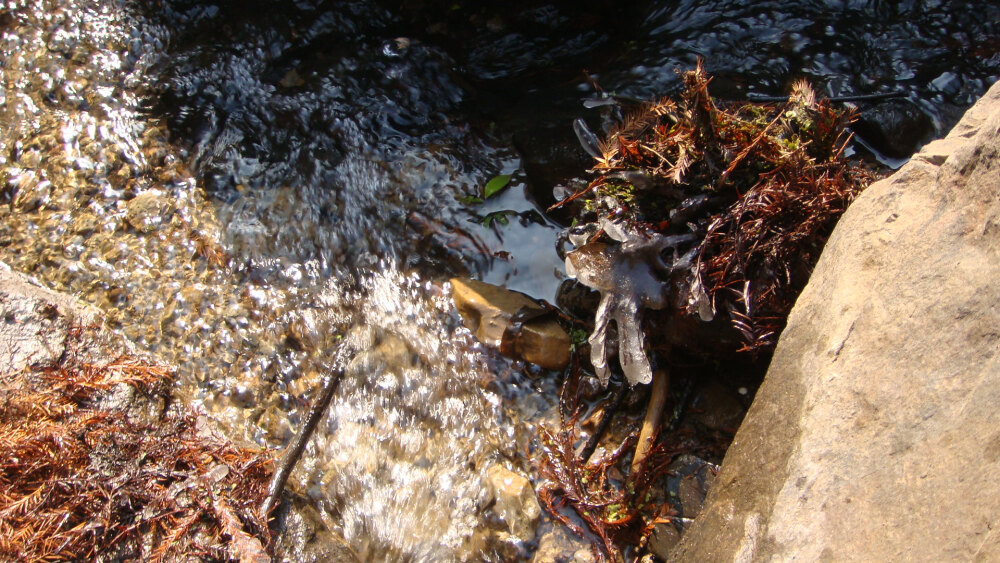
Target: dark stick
{"points": [[602, 426], [858, 98], [294, 450]]}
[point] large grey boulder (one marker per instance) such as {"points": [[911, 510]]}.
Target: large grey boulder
{"points": [[876, 433]]}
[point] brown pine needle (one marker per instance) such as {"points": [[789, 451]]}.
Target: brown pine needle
{"points": [[78, 478]]}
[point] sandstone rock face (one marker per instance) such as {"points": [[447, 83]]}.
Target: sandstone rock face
{"points": [[487, 311], [876, 433]]}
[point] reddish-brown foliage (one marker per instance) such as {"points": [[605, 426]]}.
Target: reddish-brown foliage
{"points": [[762, 185], [82, 479]]}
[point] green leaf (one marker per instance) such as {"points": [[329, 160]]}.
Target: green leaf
{"points": [[497, 218], [496, 185], [470, 199]]}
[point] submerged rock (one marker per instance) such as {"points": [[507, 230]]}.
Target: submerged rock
{"points": [[557, 544], [489, 312], [515, 501], [148, 210], [304, 538], [883, 389]]}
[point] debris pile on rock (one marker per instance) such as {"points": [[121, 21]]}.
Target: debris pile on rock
{"points": [[702, 212]]}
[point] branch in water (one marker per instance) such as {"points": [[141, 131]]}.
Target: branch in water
{"points": [[294, 450]]}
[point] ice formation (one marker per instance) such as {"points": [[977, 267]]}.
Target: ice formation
{"points": [[631, 276]]}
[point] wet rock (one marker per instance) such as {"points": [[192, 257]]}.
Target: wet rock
{"points": [[717, 407], [509, 547], [487, 311], [577, 299], [515, 501], [688, 481], [883, 389], [557, 544], [895, 128], [663, 538], [590, 387], [691, 495], [85, 224], [274, 421], [306, 384], [302, 332], [35, 322], [148, 210]]}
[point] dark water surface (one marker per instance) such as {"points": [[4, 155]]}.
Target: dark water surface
{"points": [[260, 191], [389, 114]]}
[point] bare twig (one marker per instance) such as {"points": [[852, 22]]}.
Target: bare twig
{"points": [[294, 450], [651, 423]]}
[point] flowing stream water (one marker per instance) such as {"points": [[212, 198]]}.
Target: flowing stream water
{"points": [[261, 192]]}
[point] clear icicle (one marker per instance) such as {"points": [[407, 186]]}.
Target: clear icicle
{"points": [[631, 276]]}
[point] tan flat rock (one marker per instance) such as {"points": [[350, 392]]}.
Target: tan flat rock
{"points": [[487, 310]]}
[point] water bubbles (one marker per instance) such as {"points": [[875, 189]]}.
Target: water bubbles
{"points": [[396, 47]]}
